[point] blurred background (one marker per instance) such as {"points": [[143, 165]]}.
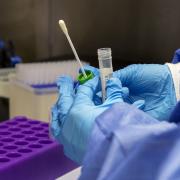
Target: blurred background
{"points": [[138, 31]]}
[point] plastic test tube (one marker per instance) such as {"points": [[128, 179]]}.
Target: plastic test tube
{"points": [[105, 66]]}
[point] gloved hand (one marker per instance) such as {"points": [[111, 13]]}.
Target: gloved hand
{"points": [[73, 115], [152, 83], [97, 98]]}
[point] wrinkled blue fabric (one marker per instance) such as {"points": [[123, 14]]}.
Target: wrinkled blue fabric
{"points": [[175, 115], [128, 144], [152, 83]]}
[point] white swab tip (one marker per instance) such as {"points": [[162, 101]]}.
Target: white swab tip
{"points": [[63, 26], [61, 22]]}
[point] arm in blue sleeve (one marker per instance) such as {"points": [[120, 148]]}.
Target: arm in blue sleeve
{"points": [[126, 143]]}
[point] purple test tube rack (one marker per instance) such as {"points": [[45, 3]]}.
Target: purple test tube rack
{"points": [[27, 152]]}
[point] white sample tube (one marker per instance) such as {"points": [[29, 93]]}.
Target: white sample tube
{"points": [[105, 66]]}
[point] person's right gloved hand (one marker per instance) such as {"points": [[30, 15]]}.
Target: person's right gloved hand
{"points": [[152, 83]]}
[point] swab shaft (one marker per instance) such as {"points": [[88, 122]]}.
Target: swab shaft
{"points": [[76, 55], [64, 29]]}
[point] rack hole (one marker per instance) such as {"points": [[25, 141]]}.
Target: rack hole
{"points": [[18, 136], [36, 146], [14, 129], [43, 135], [7, 140], [24, 150], [24, 125], [46, 131], [10, 147], [37, 128], [45, 142], [3, 126], [21, 118], [21, 143], [12, 123], [45, 125], [34, 122], [4, 133], [2, 151], [31, 139], [28, 132], [3, 160], [13, 155]]}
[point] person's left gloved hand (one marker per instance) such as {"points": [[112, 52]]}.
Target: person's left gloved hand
{"points": [[73, 115]]}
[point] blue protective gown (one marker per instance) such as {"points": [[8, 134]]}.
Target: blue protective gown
{"points": [[127, 144]]}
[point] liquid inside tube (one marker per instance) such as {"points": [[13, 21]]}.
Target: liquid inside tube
{"points": [[105, 66]]}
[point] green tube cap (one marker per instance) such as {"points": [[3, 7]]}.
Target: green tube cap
{"points": [[82, 79]]}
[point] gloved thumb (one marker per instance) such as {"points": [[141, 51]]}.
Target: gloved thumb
{"points": [[65, 84], [94, 70], [127, 74], [86, 92], [115, 91], [140, 104]]}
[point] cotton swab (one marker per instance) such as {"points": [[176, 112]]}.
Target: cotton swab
{"points": [[65, 31]]}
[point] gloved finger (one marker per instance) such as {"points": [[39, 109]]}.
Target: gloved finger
{"points": [[86, 92], [54, 125], [94, 70], [114, 91], [65, 85], [127, 74], [140, 104], [98, 96], [125, 90], [176, 57], [97, 99]]}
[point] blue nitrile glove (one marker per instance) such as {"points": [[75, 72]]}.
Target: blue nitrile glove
{"points": [[176, 57], [73, 115], [152, 83], [97, 99], [15, 60]]}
